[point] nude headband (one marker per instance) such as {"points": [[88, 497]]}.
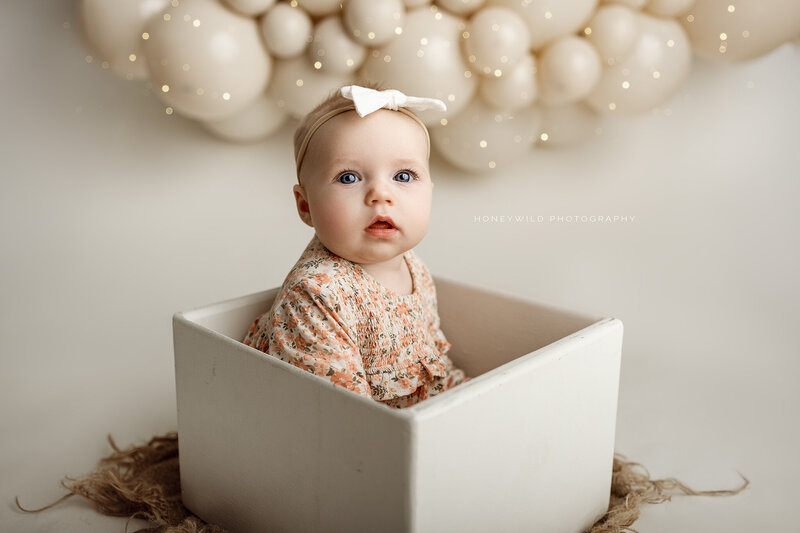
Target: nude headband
{"points": [[366, 101]]}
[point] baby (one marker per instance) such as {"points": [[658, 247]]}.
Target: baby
{"points": [[359, 307]]}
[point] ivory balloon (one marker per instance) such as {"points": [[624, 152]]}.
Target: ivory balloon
{"points": [[425, 60], [657, 64], [114, 32], [569, 124], [549, 19], [496, 38], [752, 29], [373, 22], [286, 30], [569, 70], [633, 4], [460, 7], [668, 8], [257, 121], [250, 7], [297, 87], [205, 60], [481, 138], [513, 90], [320, 8], [613, 31], [332, 50]]}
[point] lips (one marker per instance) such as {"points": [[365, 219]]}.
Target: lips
{"points": [[382, 222]]}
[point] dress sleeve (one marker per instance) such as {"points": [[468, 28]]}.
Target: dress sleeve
{"points": [[308, 332]]}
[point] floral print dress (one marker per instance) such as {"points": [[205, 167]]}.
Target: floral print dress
{"points": [[336, 321]]}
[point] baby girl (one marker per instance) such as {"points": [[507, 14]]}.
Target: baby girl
{"points": [[359, 307]]}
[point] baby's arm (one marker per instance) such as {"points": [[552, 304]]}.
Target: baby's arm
{"points": [[309, 333]]}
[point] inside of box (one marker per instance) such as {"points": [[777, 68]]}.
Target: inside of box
{"points": [[486, 329]]}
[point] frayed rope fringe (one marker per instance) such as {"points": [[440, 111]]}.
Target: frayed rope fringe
{"points": [[144, 482]]}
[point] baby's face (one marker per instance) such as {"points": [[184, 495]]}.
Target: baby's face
{"points": [[356, 169]]}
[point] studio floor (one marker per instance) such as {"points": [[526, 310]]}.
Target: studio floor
{"points": [[114, 215]]}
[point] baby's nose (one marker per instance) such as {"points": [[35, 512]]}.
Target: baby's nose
{"points": [[379, 192]]}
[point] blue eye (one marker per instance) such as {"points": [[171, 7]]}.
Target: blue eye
{"points": [[404, 177], [347, 178]]}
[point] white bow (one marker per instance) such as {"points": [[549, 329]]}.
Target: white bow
{"points": [[369, 100]]}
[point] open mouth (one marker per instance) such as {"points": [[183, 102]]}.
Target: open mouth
{"points": [[381, 222]]}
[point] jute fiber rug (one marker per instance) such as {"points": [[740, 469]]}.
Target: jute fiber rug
{"points": [[144, 482]]}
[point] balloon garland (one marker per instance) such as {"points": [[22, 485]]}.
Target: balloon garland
{"points": [[514, 73]]}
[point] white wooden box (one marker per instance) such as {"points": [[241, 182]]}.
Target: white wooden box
{"points": [[526, 445]]}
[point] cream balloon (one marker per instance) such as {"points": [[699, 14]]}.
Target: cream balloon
{"points": [[332, 50], [750, 30], [297, 87], [613, 30], [548, 20], [569, 70], [461, 7], [481, 138], [496, 38], [250, 7], [657, 64], [425, 60], [260, 119], [205, 60], [286, 30], [633, 4], [513, 90], [668, 8], [566, 125], [374, 22], [114, 32], [320, 8]]}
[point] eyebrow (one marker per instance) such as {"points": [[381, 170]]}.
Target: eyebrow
{"points": [[355, 162]]}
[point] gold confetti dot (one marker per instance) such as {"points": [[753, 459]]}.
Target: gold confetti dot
{"points": [[299, 83], [167, 17], [104, 64], [745, 34], [495, 27], [387, 58], [187, 18], [656, 74], [317, 65], [548, 15], [226, 96], [689, 18], [670, 43], [185, 67], [175, 3], [145, 36], [443, 122], [168, 111], [626, 84], [88, 59], [492, 164], [196, 23], [472, 59], [498, 73], [349, 62], [467, 74], [371, 35], [723, 36], [544, 136], [165, 88], [132, 57], [423, 41], [293, 3], [438, 16], [612, 106], [451, 98], [482, 144], [398, 30], [587, 30], [731, 8], [200, 91], [465, 35], [722, 49]]}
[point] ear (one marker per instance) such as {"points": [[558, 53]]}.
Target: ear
{"points": [[303, 209]]}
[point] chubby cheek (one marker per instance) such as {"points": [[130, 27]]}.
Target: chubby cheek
{"points": [[330, 219]]}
